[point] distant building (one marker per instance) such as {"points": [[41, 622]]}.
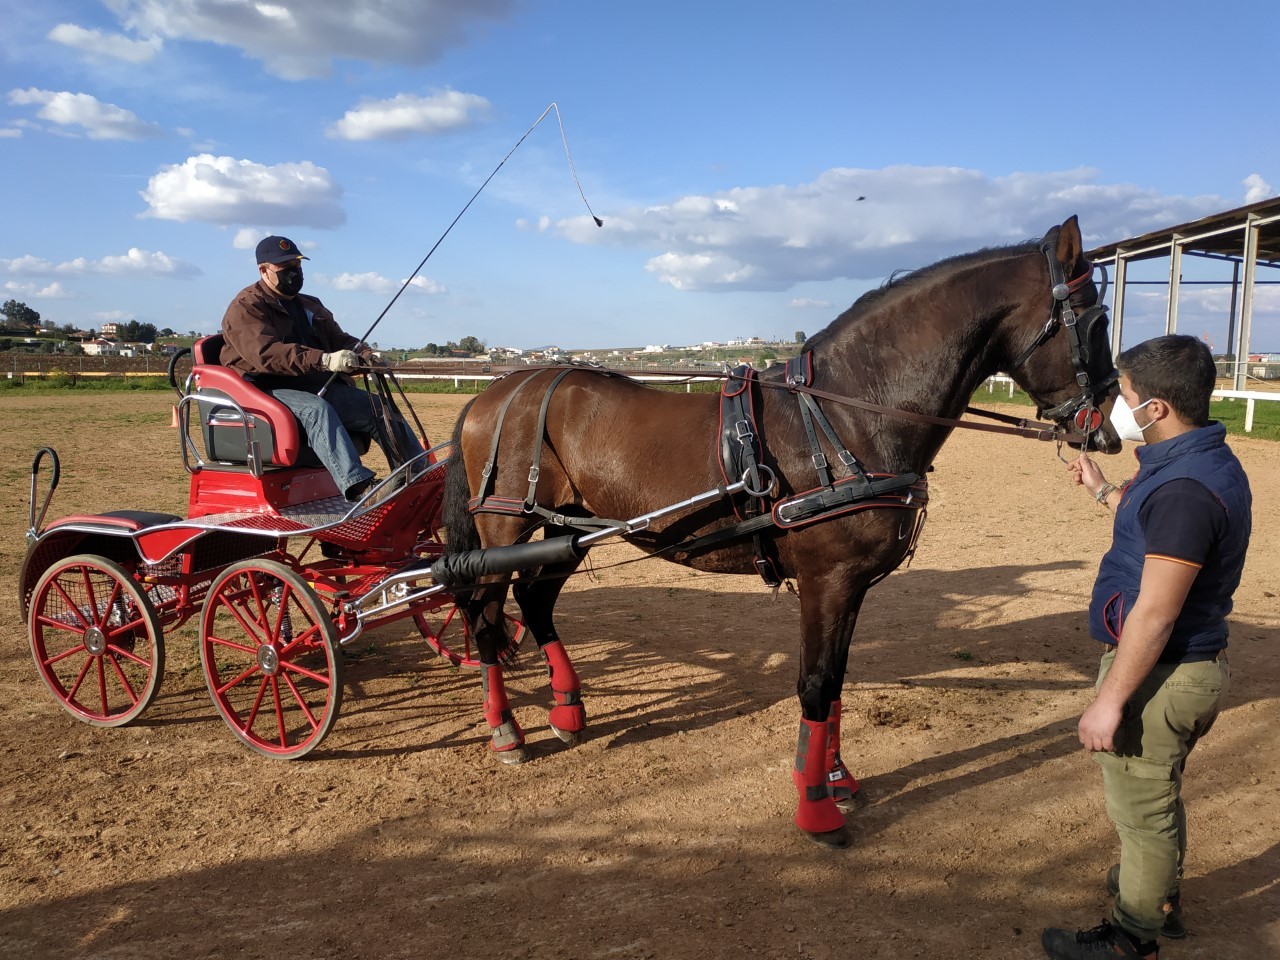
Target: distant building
{"points": [[101, 348], [108, 330]]}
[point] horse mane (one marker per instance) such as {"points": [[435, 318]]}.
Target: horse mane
{"points": [[902, 281]]}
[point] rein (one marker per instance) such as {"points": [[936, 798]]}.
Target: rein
{"points": [[1015, 426]]}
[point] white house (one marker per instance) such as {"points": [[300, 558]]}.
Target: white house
{"points": [[101, 348]]}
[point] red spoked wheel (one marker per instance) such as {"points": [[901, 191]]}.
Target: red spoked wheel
{"points": [[270, 656], [96, 640], [446, 632]]}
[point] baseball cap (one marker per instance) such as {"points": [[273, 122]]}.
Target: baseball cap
{"points": [[278, 250]]}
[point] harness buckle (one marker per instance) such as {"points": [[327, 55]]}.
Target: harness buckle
{"points": [[742, 430], [534, 471], [847, 458], [488, 469], [820, 461]]}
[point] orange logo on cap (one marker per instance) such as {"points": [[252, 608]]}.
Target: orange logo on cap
{"points": [[284, 244]]}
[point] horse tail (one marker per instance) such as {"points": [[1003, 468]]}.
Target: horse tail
{"points": [[459, 523]]}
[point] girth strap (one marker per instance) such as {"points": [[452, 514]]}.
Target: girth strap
{"points": [[741, 449]]}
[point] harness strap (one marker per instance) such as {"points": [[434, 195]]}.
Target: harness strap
{"points": [[487, 472], [535, 469], [739, 437]]}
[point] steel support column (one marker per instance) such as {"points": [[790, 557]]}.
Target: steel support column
{"points": [[1175, 279], [1241, 346]]}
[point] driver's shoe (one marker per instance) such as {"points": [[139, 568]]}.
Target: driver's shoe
{"points": [[1104, 942]]}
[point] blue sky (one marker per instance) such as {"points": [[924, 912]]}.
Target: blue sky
{"points": [[148, 144]]}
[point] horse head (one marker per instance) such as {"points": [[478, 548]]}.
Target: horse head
{"points": [[1067, 366]]}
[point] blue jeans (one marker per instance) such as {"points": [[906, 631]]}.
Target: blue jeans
{"points": [[326, 420]]}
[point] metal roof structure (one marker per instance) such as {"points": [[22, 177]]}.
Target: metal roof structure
{"points": [[1247, 237]]}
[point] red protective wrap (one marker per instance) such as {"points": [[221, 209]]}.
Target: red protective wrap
{"points": [[817, 812], [840, 781], [568, 714], [505, 732]]}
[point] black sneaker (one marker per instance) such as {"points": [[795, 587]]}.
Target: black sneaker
{"points": [[1173, 927], [1103, 941]]}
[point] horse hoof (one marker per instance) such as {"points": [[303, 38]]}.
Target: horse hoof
{"points": [[849, 801], [513, 756], [571, 737], [832, 839]]}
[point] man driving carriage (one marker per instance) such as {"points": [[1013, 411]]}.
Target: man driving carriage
{"points": [[289, 345]]}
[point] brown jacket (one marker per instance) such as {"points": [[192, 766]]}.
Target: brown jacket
{"points": [[260, 339]]}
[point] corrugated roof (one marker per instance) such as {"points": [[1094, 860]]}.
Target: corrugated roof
{"points": [[1218, 235]]}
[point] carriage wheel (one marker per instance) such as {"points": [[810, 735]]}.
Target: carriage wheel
{"points": [[269, 652], [96, 640], [445, 630]]}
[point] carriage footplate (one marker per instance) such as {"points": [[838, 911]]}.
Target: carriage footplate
{"points": [[850, 493]]}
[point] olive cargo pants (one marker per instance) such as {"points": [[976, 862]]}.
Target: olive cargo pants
{"points": [[1142, 781]]}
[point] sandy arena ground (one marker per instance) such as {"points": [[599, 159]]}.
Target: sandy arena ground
{"points": [[667, 834]]}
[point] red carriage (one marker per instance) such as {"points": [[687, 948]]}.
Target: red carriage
{"points": [[281, 569]]}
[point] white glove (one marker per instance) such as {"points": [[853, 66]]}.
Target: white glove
{"points": [[341, 361]]}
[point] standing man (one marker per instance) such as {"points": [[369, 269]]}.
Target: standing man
{"points": [[1159, 604], [288, 345]]}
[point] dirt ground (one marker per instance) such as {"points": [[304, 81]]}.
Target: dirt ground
{"points": [[668, 833]]}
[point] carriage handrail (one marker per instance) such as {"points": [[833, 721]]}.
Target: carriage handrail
{"points": [[252, 448], [33, 522], [173, 368]]}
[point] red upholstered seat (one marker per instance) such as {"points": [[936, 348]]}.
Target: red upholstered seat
{"points": [[272, 424]]}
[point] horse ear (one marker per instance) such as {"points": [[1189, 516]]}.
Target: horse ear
{"points": [[1070, 246]]}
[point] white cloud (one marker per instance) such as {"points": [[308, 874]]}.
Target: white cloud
{"points": [[865, 224], [406, 114], [136, 262], [807, 303], [228, 191], [96, 44], [376, 283], [101, 121], [1255, 188], [303, 44], [10, 133], [54, 291]]}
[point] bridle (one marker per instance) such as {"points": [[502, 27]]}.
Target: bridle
{"points": [[1081, 411]]}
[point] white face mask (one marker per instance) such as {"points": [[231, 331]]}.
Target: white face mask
{"points": [[1124, 422]]}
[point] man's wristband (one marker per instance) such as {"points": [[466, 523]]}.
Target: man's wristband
{"points": [[1104, 491]]}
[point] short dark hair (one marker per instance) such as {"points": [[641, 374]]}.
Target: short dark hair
{"points": [[1177, 369]]}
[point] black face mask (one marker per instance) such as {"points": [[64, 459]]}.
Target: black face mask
{"points": [[289, 281]]}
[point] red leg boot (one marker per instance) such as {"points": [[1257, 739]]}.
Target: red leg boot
{"points": [[817, 813], [506, 737], [568, 717], [839, 780]]}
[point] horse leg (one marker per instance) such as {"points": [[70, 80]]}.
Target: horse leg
{"points": [[483, 613], [537, 600], [828, 612], [840, 781]]}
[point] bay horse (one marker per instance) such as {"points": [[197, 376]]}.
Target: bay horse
{"points": [[579, 443]]}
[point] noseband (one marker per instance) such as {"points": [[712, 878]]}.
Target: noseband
{"points": [[1082, 411]]}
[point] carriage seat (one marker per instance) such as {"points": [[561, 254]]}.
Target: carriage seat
{"points": [[280, 438]]}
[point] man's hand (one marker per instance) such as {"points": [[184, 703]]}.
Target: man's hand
{"points": [[341, 361], [372, 358], [1098, 725], [1085, 472]]}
